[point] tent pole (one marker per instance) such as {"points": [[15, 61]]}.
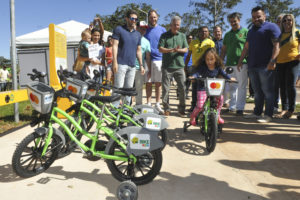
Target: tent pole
{"points": [[13, 55]]}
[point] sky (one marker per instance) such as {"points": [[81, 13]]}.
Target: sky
{"points": [[33, 15]]}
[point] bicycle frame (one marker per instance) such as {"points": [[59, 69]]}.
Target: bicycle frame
{"points": [[206, 111], [93, 137]]}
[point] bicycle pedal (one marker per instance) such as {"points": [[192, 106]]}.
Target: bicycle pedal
{"points": [[100, 146]]}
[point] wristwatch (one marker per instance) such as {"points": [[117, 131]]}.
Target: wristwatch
{"points": [[273, 61]]}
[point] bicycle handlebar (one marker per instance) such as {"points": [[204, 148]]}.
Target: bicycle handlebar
{"points": [[203, 79]]}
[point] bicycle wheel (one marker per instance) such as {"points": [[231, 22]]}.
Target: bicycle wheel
{"points": [[27, 160], [70, 145], [143, 171], [212, 132], [127, 190]]}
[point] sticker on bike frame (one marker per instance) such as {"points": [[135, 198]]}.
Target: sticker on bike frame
{"points": [[215, 87], [153, 123], [140, 141], [48, 99], [147, 110]]}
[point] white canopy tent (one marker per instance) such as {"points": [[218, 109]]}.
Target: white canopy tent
{"points": [[33, 48]]}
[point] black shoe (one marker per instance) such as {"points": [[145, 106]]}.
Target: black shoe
{"points": [[191, 109], [187, 97], [239, 113]]}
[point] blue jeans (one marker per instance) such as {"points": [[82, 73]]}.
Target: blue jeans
{"points": [[124, 78], [263, 85]]}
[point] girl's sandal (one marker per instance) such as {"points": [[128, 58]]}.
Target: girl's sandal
{"points": [[288, 115], [281, 115]]}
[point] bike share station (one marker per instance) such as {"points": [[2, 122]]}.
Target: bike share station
{"points": [[136, 146]]}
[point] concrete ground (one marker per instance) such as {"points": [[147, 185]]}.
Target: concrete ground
{"points": [[251, 161]]}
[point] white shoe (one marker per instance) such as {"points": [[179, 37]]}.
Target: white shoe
{"points": [[265, 119], [149, 104], [160, 110], [252, 116]]}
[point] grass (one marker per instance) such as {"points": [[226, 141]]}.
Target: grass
{"points": [[7, 120]]}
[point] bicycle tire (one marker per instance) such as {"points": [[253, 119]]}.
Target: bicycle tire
{"points": [[37, 164], [142, 172], [127, 190], [212, 132]]}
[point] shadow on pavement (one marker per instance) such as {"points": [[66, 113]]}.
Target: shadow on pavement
{"points": [[168, 187], [283, 168], [7, 174], [283, 191], [176, 138], [280, 133]]}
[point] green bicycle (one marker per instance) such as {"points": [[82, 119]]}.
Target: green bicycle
{"points": [[207, 119], [132, 153]]}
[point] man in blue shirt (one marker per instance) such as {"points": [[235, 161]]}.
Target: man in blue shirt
{"points": [[126, 48], [262, 48], [217, 31], [154, 73]]}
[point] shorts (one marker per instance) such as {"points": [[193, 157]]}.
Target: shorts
{"points": [[109, 67], [156, 74]]}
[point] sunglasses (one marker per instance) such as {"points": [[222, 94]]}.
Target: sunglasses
{"points": [[133, 19], [286, 20]]}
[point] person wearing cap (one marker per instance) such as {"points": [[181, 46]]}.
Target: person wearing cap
{"points": [[139, 75], [126, 49], [173, 45]]}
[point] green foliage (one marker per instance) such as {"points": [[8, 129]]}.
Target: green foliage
{"points": [[4, 61], [118, 17], [7, 116], [189, 22], [273, 8], [214, 12]]}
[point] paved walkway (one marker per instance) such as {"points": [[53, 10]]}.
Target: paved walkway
{"points": [[251, 161]]}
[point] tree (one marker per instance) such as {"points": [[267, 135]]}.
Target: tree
{"points": [[213, 11], [117, 18], [189, 22], [4, 61], [273, 8]]}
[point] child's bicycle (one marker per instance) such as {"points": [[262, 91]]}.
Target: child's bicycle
{"points": [[124, 117], [132, 153], [207, 119]]}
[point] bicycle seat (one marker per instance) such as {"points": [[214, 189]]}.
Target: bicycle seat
{"points": [[127, 89], [125, 92], [106, 99]]}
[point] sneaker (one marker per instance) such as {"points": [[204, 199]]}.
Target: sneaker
{"points": [[160, 110], [265, 119], [252, 116], [167, 113], [228, 111], [239, 113], [225, 105], [149, 104]]}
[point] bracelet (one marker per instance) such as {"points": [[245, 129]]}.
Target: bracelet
{"points": [[273, 61]]}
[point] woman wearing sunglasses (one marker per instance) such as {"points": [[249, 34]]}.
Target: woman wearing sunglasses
{"points": [[288, 64]]}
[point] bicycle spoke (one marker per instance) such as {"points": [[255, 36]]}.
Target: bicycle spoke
{"points": [[26, 155], [140, 170], [121, 163], [26, 160], [34, 165], [29, 164]]}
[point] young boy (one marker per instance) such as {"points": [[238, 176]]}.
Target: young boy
{"points": [[84, 43]]}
